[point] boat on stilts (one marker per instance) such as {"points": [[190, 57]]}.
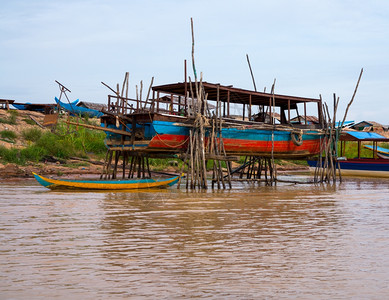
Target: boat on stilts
{"points": [[215, 123], [252, 123]]}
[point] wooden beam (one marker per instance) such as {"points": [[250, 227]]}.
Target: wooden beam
{"points": [[100, 128]]}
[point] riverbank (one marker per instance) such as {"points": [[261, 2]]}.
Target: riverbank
{"points": [[26, 146], [76, 168]]}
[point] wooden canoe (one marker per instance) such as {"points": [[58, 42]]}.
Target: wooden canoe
{"points": [[105, 184], [381, 152]]}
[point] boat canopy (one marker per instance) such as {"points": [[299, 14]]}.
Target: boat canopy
{"points": [[233, 94], [362, 136]]}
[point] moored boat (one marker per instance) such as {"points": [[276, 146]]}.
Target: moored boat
{"points": [[374, 166], [366, 167], [105, 184], [163, 123], [381, 151], [43, 108]]}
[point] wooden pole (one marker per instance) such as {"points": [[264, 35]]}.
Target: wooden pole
{"points": [[251, 72]]}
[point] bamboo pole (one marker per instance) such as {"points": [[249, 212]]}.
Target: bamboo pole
{"points": [[251, 72]]}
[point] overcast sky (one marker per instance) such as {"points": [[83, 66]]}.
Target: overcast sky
{"points": [[311, 47]]}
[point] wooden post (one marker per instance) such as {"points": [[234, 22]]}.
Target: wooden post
{"points": [[157, 101], [186, 90], [288, 111], [244, 110], [228, 103], [249, 116]]}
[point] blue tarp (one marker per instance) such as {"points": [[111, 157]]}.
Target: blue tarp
{"points": [[362, 135], [346, 123]]}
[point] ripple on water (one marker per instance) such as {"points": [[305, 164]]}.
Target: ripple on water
{"points": [[286, 241]]}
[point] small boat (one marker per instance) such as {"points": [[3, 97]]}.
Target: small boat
{"points": [[43, 108], [366, 167], [105, 184], [381, 152], [374, 166], [78, 110]]}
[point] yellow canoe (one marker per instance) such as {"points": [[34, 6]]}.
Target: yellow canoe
{"points": [[105, 184]]}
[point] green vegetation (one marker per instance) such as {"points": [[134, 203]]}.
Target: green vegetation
{"points": [[29, 121], [159, 164], [351, 149], [10, 155], [67, 141], [8, 134], [11, 119], [32, 135]]}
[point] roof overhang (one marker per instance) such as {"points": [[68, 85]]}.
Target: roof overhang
{"points": [[235, 95], [362, 136]]}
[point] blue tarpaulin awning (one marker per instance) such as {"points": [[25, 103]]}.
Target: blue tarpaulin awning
{"points": [[362, 136]]}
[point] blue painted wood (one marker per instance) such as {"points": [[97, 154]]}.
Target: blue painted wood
{"points": [[365, 164], [165, 127], [77, 110], [380, 150]]}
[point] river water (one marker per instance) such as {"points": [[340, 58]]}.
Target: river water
{"points": [[251, 242]]}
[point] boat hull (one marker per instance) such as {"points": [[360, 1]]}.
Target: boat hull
{"points": [[362, 167], [243, 140], [105, 184], [77, 110], [381, 152]]}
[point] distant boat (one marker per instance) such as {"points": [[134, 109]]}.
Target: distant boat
{"points": [[78, 110], [381, 152], [362, 166], [44, 108], [20, 106], [105, 184]]}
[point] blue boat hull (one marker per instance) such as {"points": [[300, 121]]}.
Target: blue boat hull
{"points": [[243, 140], [368, 167], [77, 110]]}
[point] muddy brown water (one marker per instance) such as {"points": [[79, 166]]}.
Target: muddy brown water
{"points": [[251, 242]]}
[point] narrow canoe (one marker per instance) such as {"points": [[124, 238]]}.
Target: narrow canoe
{"points": [[105, 184], [381, 152]]}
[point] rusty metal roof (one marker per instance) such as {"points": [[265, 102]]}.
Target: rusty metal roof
{"points": [[237, 95]]}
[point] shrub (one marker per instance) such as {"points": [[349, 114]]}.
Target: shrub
{"points": [[32, 134], [67, 142], [33, 153], [55, 146], [11, 119], [29, 121], [11, 155], [8, 134]]}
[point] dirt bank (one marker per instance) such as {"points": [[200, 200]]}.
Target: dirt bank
{"points": [[13, 170], [19, 121]]}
